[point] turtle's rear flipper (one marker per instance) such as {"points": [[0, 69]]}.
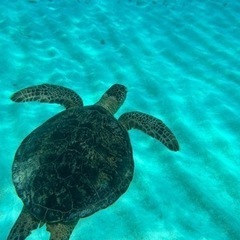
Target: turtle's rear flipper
{"points": [[60, 231], [23, 226]]}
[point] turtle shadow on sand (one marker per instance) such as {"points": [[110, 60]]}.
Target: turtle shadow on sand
{"points": [[77, 162]]}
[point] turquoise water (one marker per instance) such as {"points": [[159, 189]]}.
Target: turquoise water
{"points": [[180, 63]]}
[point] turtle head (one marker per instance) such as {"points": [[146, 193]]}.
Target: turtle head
{"points": [[113, 98]]}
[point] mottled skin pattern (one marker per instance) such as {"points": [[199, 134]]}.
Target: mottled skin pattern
{"points": [[77, 162], [49, 93], [151, 126]]}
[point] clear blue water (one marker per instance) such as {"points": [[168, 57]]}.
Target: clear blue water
{"points": [[180, 62]]}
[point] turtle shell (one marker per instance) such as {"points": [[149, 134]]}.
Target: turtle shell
{"points": [[73, 165]]}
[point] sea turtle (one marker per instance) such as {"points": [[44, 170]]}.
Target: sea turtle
{"points": [[77, 162]]}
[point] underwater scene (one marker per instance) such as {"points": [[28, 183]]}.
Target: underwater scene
{"points": [[179, 61]]}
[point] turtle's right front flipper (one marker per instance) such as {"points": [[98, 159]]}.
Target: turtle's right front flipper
{"points": [[49, 93], [23, 226], [150, 125]]}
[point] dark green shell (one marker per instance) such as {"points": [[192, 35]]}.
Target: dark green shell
{"points": [[73, 165]]}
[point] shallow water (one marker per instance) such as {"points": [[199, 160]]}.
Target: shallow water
{"points": [[180, 62]]}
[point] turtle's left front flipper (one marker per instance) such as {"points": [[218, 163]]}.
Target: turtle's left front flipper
{"points": [[151, 126], [23, 226], [49, 93]]}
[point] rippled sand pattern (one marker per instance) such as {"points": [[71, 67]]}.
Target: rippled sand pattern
{"points": [[180, 62]]}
